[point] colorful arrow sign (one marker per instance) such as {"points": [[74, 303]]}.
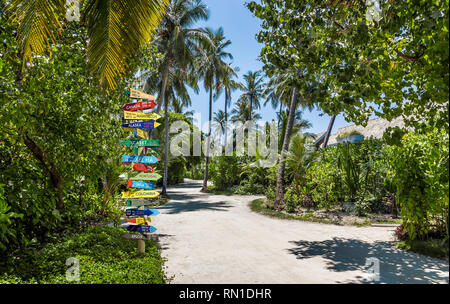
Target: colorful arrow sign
{"points": [[141, 228], [141, 194], [141, 105], [138, 202], [140, 184], [152, 237], [133, 93], [143, 177], [140, 115], [140, 159], [143, 167], [144, 212], [140, 143], [150, 124], [140, 220]]}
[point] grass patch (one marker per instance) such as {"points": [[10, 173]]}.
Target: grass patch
{"points": [[259, 205], [394, 222], [432, 248], [105, 257], [213, 190]]}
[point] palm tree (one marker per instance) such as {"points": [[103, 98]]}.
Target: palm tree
{"points": [[115, 28], [253, 90], [299, 158], [228, 85], [219, 118], [330, 127], [211, 67], [299, 124], [241, 112], [179, 42], [290, 84]]}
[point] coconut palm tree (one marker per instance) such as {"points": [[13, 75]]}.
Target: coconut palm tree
{"points": [[228, 85], [299, 158], [253, 90], [115, 29], [241, 112], [211, 66], [179, 41], [219, 118]]}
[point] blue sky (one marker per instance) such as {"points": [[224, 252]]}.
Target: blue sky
{"points": [[240, 26]]}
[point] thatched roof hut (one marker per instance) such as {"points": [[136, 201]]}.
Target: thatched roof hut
{"points": [[375, 129]]}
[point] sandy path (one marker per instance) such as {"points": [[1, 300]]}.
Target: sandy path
{"points": [[217, 239]]}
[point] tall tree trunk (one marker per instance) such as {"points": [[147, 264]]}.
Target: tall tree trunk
{"points": [[162, 94], [50, 166], [166, 146], [205, 178], [251, 107], [279, 199], [330, 126], [226, 115], [281, 109]]}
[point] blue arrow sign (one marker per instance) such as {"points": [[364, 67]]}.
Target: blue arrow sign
{"points": [[149, 124], [139, 159], [141, 184], [141, 228], [137, 212]]}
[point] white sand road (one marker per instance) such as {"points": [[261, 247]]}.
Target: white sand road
{"points": [[210, 238]]}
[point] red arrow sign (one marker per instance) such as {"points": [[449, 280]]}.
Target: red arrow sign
{"points": [[141, 105], [143, 167]]}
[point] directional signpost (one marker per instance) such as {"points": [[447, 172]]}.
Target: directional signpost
{"points": [[143, 177], [141, 105], [140, 115], [140, 159], [141, 181], [150, 124], [140, 143], [140, 184]]}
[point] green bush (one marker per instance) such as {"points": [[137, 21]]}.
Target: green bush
{"points": [[105, 256], [291, 199], [224, 171], [419, 170]]}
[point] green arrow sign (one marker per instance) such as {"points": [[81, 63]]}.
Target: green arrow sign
{"points": [[143, 176], [138, 202], [140, 143]]}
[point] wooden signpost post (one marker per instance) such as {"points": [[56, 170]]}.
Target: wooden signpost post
{"points": [[139, 218]]}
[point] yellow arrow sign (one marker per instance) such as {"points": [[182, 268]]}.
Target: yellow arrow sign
{"points": [[140, 115], [138, 94], [140, 194]]}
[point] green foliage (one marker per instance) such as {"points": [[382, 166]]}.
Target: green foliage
{"points": [[59, 151], [419, 170], [353, 64], [291, 199], [300, 157], [224, 171], [324, 182], [5, 219], [105, 257]]}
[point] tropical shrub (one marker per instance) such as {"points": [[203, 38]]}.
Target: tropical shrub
{"points": [[224, 171], [105, 256], [419, 170], [291, 199]]}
